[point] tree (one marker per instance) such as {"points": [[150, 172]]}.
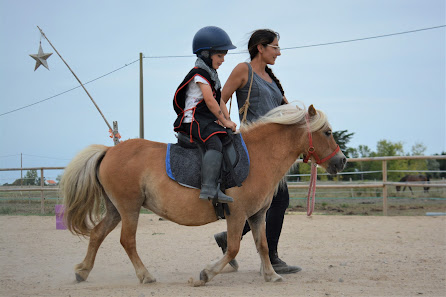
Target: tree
{"points": [[59, 178], [30, 178], [418, 149], [442, 165], [388, 148], [362, 151], [342, 138]]}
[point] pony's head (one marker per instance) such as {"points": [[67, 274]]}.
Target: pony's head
{"points": [[318, 143], [322, 148]]}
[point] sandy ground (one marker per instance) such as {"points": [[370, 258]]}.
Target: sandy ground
{"points": [[340, 256]]}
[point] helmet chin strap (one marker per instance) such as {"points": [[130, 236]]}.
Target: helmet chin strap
{"points": [[205, 55]]}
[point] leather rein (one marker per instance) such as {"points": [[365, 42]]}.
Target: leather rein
{"points": [[312, 152]]}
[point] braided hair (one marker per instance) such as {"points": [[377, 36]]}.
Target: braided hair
{"points": [[264, 37]]}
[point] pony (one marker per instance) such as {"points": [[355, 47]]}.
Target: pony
{"points": [[414, 178], [132, 175]]}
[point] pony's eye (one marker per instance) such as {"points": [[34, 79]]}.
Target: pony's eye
{"points": [[328, 133]]}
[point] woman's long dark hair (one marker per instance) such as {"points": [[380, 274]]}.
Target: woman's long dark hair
{"points": [[264, 37]]}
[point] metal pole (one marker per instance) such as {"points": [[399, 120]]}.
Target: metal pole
{"points": [[97, 107], [141, 98]]}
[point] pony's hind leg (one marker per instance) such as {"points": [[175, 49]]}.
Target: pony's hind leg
{"points": [[128, 241], [97, 236], [258, 229]]}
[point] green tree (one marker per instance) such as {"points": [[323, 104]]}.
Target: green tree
{"points": [[59, 178], [388, 148], [30, 178], [418, 149], [442, 165], [342, 138], [363, 151]]}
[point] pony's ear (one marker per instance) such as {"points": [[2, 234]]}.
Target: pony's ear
{"points": [[311, 110]]}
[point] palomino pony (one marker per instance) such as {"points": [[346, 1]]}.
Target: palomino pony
{"points": [[132, 175], [414, 178]]}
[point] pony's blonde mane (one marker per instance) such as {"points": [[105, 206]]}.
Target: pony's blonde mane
{"points": [[289, 114]]}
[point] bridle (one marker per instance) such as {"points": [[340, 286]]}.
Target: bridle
{"points": [[312, 152]]}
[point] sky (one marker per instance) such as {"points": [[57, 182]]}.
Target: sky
{"points": [[390, 88]]}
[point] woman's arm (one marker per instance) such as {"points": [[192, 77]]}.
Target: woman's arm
{"points": [[237, 79], [224, 109], [214, 107]]}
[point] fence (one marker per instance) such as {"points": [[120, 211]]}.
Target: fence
{"points": [[384, 184], [40, 188]]}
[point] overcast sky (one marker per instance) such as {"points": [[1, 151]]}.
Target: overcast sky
{"points": [[390, 88]]}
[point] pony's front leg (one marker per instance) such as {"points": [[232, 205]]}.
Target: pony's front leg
{"points": [[258, 229], [235, 229]]}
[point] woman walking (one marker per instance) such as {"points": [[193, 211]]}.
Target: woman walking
{"points": [[258, 91]]}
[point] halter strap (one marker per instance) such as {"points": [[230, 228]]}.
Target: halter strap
{"points": [[311, 151]]}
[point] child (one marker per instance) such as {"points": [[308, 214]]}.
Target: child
{"points": [[197, 103]]}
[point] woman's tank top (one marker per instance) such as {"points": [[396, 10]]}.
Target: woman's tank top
{"points": [[264, 96]]}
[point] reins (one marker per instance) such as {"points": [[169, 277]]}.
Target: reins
{"points": [[312, 152]]}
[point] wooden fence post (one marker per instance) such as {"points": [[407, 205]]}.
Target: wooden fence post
{"points": [[42, 199], [384, 169]]}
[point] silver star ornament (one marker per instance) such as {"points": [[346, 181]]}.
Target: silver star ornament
{"points": [[40, 58]]}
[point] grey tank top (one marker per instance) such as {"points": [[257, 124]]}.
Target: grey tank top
{"points": [[264, 96]]}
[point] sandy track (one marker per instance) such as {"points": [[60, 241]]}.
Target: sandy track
{"points": [[340, 256]]}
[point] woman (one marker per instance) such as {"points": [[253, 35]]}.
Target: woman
{"points": [[265, 93]]}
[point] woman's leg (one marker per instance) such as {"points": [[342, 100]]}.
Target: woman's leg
{"points": [[275, 216], [274, 224]]}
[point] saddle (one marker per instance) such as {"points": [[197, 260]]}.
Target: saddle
{"points": [[183, 164]]}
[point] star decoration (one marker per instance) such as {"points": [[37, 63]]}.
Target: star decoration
{"points": [[40, 58]]}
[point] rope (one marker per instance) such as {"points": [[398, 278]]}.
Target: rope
{"points": [[312, 190], [244, 108]]}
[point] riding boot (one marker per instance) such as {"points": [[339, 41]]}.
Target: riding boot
{"points": [[210, 174], [280, 266]]}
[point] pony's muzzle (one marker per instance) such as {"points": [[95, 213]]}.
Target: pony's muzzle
{"points": [[337, 163]]}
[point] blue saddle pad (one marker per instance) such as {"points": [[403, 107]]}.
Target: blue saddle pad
{"points": [[183, 165]]}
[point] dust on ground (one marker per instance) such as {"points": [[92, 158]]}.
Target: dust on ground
{"points": [[340, 256]]}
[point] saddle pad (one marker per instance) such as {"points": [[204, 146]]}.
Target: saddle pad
{"points": [[183, 165]]}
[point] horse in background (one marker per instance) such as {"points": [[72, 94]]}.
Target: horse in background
{"points": [[414, 178]]}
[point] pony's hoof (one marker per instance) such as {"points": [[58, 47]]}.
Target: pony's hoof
{"points": [[204, 276], [273, 278], [79, 278], [148, 280], [194, 283], [277, 278]]}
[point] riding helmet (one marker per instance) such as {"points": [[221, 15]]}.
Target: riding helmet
{"points": [[211, 38]]}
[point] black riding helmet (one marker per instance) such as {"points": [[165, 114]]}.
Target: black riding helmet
{"points": [[211, 38]]}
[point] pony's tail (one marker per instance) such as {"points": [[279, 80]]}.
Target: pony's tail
{"points": [[82, 191]]}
